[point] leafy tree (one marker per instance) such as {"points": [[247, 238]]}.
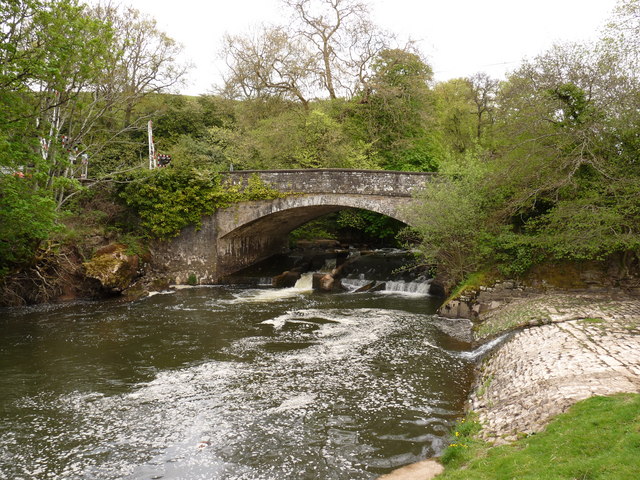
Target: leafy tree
{"points": [[300, 139], [27, 217], [50, 53], [63, 98], [453, 222], [395, 112], [144, 59], [455, 115]]}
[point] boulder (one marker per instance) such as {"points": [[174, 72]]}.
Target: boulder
{"points": [[325, 282], [113, 267], [424, 470], [366, 288], [285, 279], [374, 286]]}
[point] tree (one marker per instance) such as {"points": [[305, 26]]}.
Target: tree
{"points": [[268, 63], [395, 111], [298, 139], [455, 115], [328, 47], [145, 59], [343, 38], [63, 99], [622, 36], [562, 177], [50, 53], [483, 90]]}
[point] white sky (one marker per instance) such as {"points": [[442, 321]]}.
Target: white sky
{"points": [[458, 37]]}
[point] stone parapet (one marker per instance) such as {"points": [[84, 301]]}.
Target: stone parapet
{"points": [[335, 181]]}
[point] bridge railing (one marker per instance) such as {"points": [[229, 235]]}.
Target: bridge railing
{"points": [[337, 181]]}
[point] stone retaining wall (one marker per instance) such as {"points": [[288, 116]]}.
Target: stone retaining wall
{"points": [[583, 345]]}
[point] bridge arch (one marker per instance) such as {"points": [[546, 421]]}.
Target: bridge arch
{"points": [[247, 232], [252, 231]]}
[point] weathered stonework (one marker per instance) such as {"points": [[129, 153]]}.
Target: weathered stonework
{"points": [[244, 233], [337, 180], [582, 345]]}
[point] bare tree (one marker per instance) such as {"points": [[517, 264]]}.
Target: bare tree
{"points": [[145, 60], [267, 62], [329, 47], [343, 38]]}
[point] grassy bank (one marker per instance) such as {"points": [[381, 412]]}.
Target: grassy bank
{"points": [[597, 439]]}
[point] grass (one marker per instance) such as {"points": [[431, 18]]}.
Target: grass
{"points": [[597, 439], [470, 284], [592, 320]]}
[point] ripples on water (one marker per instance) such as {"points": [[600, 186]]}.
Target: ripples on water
{"points": [[221, 383]]}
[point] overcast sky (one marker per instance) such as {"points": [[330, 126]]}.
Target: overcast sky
{"points": [[458, 37]]}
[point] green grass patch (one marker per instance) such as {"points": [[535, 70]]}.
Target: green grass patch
{"points": [[592, 320], [471, 284], [597, 439]]}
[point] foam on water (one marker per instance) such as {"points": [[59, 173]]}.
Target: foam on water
{"points": [[302, 286], [314, 412]]}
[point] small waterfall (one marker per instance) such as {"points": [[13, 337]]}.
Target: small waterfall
{"points": [[419, 288], [390, 286], [329, 264], [305, 282]]}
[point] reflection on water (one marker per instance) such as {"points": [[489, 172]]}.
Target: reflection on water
{"points": [[227, 383]]}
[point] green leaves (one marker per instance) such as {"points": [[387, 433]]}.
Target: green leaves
{"points": [[27, 216], [169, 199]]}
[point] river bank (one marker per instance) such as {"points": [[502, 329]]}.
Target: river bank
{"points": [[554, 350], [568, 347]]}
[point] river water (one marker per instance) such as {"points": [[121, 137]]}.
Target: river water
{"points": [[228, 383]]}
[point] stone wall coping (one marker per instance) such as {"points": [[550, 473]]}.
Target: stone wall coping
{"points": [[328, 170]]}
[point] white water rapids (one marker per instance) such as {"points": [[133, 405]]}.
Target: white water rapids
{"points": [[227, 383]]}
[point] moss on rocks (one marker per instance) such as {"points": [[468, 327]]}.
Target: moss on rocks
{"points": [[113, 267]]}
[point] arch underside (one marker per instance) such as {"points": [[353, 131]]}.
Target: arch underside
{"points": [[252, 231]]}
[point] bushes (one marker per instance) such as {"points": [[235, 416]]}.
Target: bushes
{"points": [[27, 217], [167, 200]]}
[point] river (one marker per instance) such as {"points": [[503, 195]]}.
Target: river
{"points": [[228, 383]]}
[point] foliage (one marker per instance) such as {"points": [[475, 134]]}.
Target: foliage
{"points": [[394, 112], [169, 199], [462, 440], [452, 220], [312, 230], [27, 217], [70, 80], [597, 438], [543, 166], [553, 175], [299, 139], [374, 224]]}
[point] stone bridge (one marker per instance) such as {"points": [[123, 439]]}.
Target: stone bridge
{"points": [[244, 233]]}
